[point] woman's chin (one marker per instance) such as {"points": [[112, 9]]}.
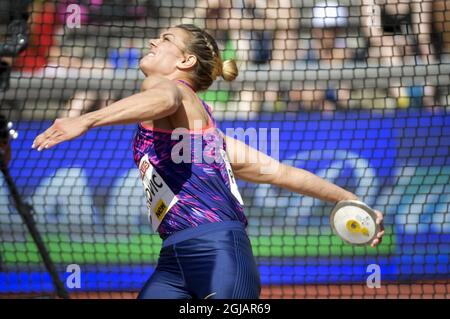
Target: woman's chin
{"points": [[144, 70], [145, 67]]}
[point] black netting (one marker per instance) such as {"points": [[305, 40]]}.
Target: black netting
{"points": [[354, 91]]}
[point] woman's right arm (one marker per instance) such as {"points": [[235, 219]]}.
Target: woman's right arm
{"points": [[159, 101]]}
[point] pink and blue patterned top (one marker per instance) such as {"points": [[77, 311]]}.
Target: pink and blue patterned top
{"points": [[202, 184]]}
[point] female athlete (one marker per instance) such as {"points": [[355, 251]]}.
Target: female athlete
{"points": [[194, 204]]}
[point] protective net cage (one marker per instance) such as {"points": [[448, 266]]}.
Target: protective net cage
{"points": [[355, 91]]}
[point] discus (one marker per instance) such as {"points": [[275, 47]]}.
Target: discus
{"points": [[354, 222]]}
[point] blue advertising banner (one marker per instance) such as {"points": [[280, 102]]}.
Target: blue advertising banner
{"points": [[89, 203]]}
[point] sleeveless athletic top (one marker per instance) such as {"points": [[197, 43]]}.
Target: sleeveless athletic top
{"points": [[187, 177]]}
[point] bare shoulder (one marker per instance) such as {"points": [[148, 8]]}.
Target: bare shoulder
{"points": [[190, 110]]}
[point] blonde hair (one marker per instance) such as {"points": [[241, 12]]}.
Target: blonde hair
{"points": [[209, 63]]}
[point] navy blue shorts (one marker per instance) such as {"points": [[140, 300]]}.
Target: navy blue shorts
{"points": [[209, 261]]}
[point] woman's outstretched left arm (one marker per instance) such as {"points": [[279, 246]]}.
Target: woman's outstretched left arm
{"points": [[254, 166]]}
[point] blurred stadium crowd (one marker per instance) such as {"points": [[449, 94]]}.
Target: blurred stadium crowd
{"points": [[293, 55]]}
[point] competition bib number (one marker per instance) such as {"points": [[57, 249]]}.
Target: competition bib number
{"points": [[160, 197], [233, 184]]}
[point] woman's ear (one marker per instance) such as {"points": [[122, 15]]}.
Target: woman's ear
{"points": [[187, 63]]}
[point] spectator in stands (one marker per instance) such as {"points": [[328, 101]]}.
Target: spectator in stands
{"points": [[277, 30], [44, 50], [264, 35], [124, 58], [216, 15], [5, 147], [227, 22], [43, 26], [328, 49], [45, 55], [400, 32], [441, 25], [441, 28]]}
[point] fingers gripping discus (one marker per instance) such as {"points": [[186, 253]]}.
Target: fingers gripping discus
{"points": [[354, 222]]}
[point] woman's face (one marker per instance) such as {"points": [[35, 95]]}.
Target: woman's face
{"points": [[165, 52]]}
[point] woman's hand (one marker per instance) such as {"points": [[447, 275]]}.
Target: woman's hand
{"points": [[379, 237], [63, 129]]}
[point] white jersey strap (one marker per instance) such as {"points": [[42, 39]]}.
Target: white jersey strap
{"points": [[233, 185]]}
